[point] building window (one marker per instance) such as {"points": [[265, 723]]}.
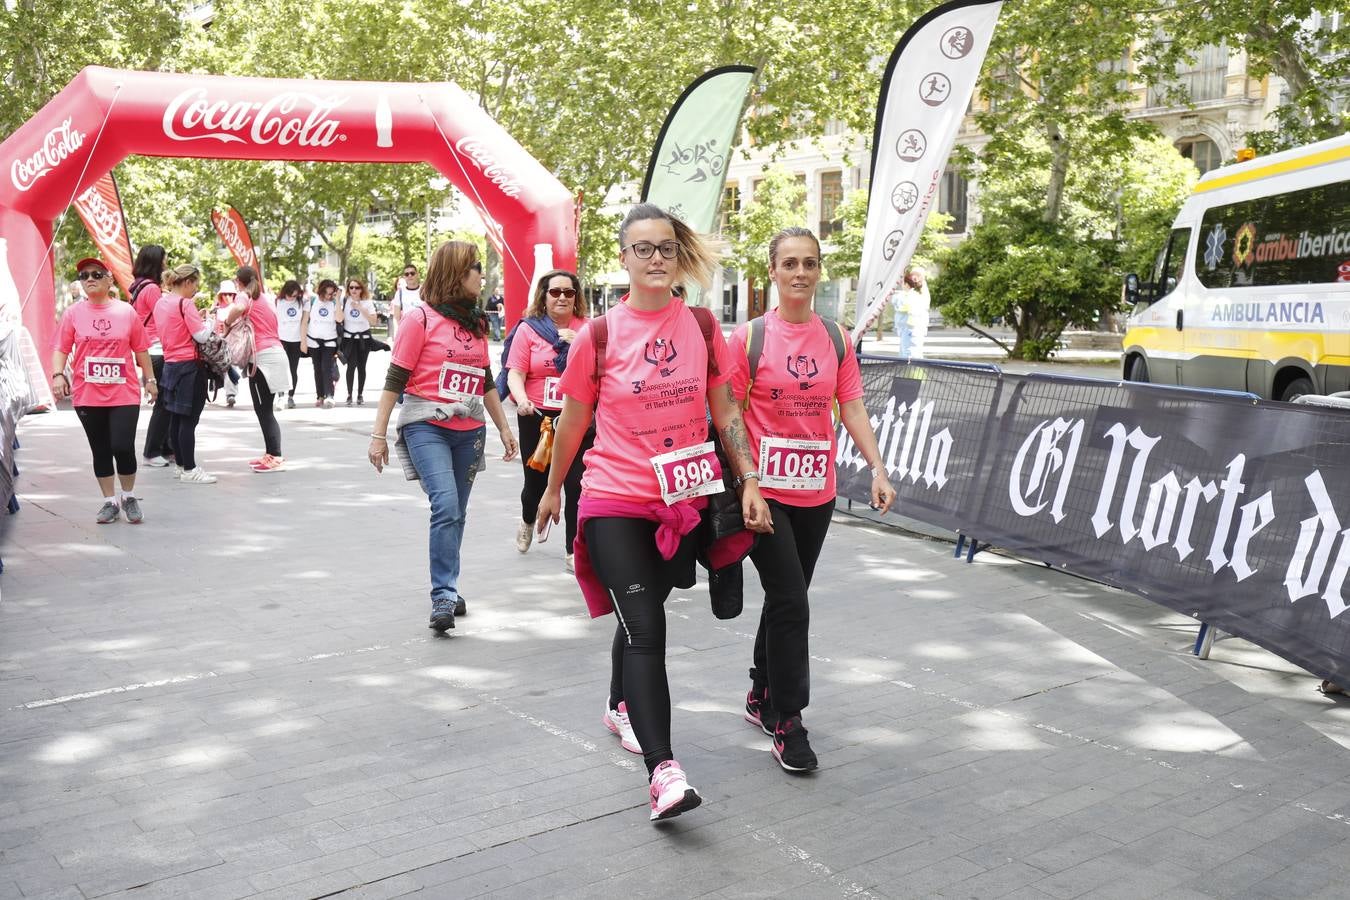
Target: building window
{"points": [[952, 200], [731, 204], [1201, 151], [1204, 78], [831, 195]]}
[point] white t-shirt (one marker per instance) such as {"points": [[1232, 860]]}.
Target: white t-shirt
{"points": [[323, 319], [357, 315], [407, 298], [289, 314]]}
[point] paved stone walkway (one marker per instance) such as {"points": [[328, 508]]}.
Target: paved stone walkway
{"points": [[240, 698]]}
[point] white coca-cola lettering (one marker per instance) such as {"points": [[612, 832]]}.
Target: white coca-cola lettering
{"points": [[487, 163], [288, 118], [234, 241], [102, 218], [57, 146]]}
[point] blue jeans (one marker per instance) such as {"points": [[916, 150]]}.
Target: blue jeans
{"points": [[903, 332], [446, 462]]}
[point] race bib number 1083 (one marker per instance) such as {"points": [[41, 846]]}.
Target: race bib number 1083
{"points": [[789, 464]]}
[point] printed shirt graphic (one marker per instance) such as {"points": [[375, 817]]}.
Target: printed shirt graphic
{"points": [[289, 313], [323, 319], [103, 338], [176, 329], [652, 400], [797, 378], [356, 315], [533, 357], [426, 348], [264, 320]]}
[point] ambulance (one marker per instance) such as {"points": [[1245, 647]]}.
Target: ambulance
{"points": [[1252, 290]]}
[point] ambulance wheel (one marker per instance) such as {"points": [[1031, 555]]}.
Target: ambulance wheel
{"points": [[1295, 389], [1138, 370]]}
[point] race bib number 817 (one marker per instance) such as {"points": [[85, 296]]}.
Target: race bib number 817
{"points": [[460, 382]]}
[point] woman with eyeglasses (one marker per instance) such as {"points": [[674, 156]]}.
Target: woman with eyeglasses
{"points": [[183, 389], [290, 316], [108, 341], [647, 373], [358, 314], [790, 421], [538, 359], [319, 339], [440, 363]]}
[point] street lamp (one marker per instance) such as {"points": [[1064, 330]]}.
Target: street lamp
{"points": [[437, 184]]}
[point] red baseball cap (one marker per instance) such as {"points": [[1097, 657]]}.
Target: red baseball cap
{"points": [[92, 261]]}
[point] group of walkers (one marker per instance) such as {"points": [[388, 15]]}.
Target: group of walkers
{"points": [[631, 414]]}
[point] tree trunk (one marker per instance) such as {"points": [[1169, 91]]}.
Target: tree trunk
{"points": [[1059, 171]]}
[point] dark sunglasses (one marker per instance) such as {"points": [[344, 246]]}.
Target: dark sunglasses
{"points": [[477, 267], [555, 293], [407, 272], [91, 275], [353, 287]]}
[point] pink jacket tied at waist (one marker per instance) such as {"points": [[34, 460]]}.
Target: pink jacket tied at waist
{"points": [[673, 523]]}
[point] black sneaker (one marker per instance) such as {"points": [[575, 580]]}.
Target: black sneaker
{"points": [[442, 617], [791, 748], [759, 712], [460, 607]]}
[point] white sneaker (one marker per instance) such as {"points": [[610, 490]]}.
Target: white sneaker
{"points": [[571, 564], [524, 536], [157, 462], [327, 402], [177, 471], [197, 476], [616, 720]]}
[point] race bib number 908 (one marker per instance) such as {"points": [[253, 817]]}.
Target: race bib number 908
{"points": [[105, 370], [460, 382], [691, 472], [789, 464]]}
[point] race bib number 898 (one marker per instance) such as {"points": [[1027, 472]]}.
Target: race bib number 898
{"points": [[691, 472]]}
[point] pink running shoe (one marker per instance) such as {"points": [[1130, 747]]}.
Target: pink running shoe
{"points": [[616, 720], [671, 792]]}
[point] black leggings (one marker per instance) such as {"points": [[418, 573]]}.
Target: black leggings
{"points": [[322, 357], [183, 427], [358, 348], [112, 437], [262, 406], [157, 442], [293, 357], [786, 560], [537, 482], [624, 554]]}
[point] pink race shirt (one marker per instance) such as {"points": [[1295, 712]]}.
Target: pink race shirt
{"points": [[104, 340], [532, 356], [145, 307], [653, 398], [798, 377], [264, 320], [176, 320], [447, 362]]}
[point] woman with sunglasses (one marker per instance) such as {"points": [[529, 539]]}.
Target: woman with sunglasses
{"points": [[440, 363], [319, 338], [407, 295], [644, 375], [290, 316], [105, 337], [358, 313], [538, 359], [183, 389], [789, 417]]}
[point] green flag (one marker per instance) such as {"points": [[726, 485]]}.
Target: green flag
{"points": [[688, 168]]}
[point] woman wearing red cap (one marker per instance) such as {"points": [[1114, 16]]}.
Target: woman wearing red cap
{"points": [[105, 337]]}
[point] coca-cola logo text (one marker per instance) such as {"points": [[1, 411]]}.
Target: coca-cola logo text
{"points": [[228, 230], [60, 143], [487, 163], [103, 220], [288, 118]]}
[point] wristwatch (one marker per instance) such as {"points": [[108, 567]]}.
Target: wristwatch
{"points": [[742, 479]]}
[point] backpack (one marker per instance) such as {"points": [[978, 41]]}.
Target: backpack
{"points": [[754, 349], [600, 338], [503, 389], [240, 343], [212, 355]]}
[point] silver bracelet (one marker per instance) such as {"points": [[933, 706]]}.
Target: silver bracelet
{"points": [[380, 437]]}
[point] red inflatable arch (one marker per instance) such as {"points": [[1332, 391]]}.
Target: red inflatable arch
{"points": [[104, 115]]}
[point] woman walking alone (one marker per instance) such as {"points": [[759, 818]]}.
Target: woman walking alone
{"points": [[440, 362], [267, 375], [648, 373], [106, 338], [538, 359]]}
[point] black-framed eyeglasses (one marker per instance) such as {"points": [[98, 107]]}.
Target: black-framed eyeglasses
{"points": [[477, 267], [91, 275], [645, 249], [569, 293]]}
